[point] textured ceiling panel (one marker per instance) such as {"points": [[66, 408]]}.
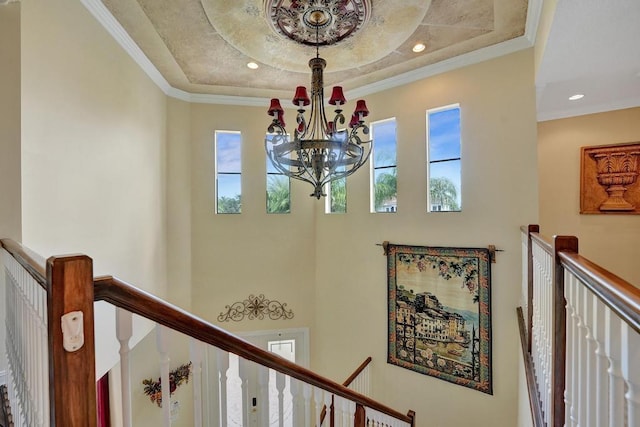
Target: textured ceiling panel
{"points": [[203, 46]]}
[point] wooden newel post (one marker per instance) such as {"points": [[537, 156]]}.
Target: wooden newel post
{"points": [[412, 415], [559, 347], [72, 377]]}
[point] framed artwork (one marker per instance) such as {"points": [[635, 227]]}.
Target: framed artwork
{"points": [[609, 179], [440, 313]]}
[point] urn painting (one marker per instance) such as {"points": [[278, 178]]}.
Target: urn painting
{"points": [[609, 179]]}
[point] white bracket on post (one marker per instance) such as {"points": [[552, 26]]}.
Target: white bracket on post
{"points": [[72, 331]]}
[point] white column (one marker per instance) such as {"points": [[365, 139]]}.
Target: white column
{"points": [[124, 331], [162, 343]]}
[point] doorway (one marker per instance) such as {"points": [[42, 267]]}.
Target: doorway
{"points": [[262, 405]]}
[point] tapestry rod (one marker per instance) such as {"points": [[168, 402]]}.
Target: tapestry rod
{"points": [[492, 250]]}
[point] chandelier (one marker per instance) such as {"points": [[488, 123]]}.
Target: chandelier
{"points": [[319, 150]]}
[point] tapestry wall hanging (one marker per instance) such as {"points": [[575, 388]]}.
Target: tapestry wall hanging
{"points": [[440, 313]]}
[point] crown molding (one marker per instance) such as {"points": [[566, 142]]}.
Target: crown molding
{"points": [[589, 109], [113, 27], [3, 2]]}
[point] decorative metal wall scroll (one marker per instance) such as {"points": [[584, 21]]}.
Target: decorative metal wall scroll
{"points": [[440, 313], [255, 307], [609, 179]]}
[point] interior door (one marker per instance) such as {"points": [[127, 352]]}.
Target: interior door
{"points": [[291, 345]]}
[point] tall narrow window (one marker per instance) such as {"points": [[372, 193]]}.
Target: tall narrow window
{"points": [[337, 196], [278, 189], [443, 163], [228, 149], [383, 166]]}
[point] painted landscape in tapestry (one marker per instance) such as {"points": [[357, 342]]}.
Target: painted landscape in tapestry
{"points": [[437, 317]]}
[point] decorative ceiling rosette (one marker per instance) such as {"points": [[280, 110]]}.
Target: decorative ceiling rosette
{"points": [[334, 20]]}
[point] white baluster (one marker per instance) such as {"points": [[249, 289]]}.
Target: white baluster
{"points": [[263, 395], [162, 337], [212, 388], [306, 393], [196, 351], [124, 331], [244, 385], [328, 399], [280, 384], [318, 399], [580, 409], [589, 358], [569, 365], [223, 367], [297, 403], [602, 382], [613, 344], [631, 372]]}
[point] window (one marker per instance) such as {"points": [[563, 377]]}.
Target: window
{"points": [[278, 188], [383, 167], [443, 162], [337, 196], [228, 149]]}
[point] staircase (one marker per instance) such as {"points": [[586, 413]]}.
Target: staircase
{"points": [[50, 343]]}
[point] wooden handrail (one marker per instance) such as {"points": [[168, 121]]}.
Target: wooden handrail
{"points": [[545, 243], [128, 297], [618, 294], [357, 372], [28, 259]]}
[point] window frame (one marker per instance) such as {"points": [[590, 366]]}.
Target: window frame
{"points": [[373, 168], [429, 162], [217, 172]]}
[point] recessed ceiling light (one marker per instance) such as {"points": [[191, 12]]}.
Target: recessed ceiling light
{"points": [[252, 65], [576, 97], [419, 47]]}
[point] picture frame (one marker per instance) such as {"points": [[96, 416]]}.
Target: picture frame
{"points": [[609, 179], [439, 306]]}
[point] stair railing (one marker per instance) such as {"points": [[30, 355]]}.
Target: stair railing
{"points": [[311, 390], [580, 339], [53, 373]]}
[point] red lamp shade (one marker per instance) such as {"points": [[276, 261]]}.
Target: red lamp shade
{"points": [[337, 96], [331, 128], [275, 108], [301, 98], [361, 108], [354, 120]]}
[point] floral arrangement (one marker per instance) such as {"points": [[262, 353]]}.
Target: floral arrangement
{"points": [[177, 377]]}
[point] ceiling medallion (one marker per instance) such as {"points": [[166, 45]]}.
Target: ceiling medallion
{"points": [[317, 22]]}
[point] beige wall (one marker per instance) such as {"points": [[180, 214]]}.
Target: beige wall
{"points": [[327, 267], [179, 202], [93, 153], [251, 253], [10, 206], [608, 240], [499, 193]]}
